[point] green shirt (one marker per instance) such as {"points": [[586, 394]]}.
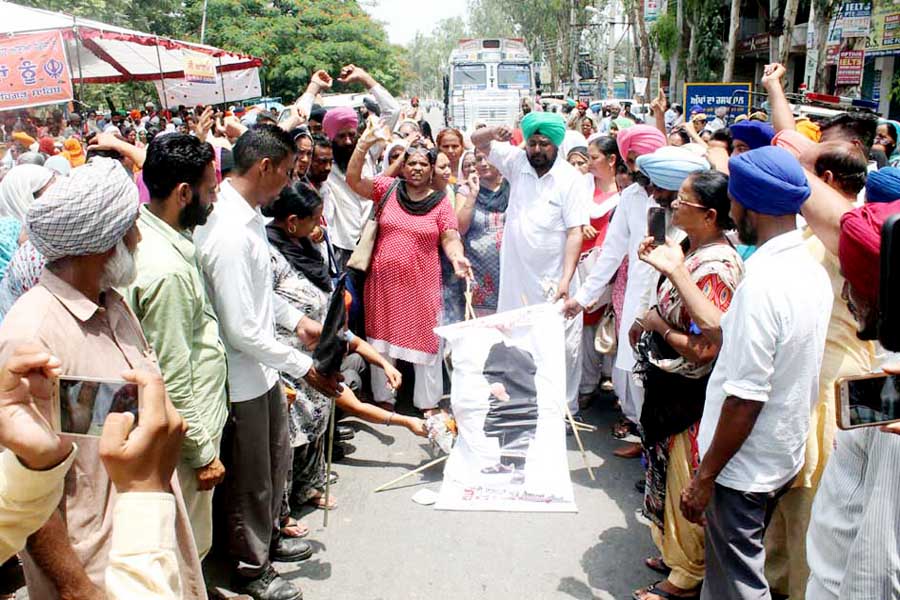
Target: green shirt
{"points": [[169, 299]]}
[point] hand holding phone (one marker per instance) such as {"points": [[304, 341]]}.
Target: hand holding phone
{"points": [[25, 395], [868, 400], [142, 459]]}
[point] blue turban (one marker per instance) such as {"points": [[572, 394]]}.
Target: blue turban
{"points": [[549, 124], [883, 185], [768, 180], [696, 109], [669, 166], [755, 134]]}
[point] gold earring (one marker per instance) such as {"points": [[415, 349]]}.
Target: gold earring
{"points": [[291, 229]]}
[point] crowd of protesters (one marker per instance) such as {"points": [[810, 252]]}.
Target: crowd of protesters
{"points": [[196, 253]]}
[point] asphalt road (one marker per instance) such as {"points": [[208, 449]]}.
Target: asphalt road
{"points": [[385, 546]]}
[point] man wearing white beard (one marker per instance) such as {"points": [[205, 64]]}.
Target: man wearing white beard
{"points": [[121, 269], [85, 226]]}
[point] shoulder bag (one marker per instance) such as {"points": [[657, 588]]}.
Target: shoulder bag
{"points": [[361, 259]]}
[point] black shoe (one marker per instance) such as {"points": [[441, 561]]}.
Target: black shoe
{"points": [[337, 452], [640, 485], [343, 433], [269, 585], [290, 550]]}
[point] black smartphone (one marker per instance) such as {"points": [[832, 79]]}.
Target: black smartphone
{"points": [[656, 224], [868, 400], [889, 286]]}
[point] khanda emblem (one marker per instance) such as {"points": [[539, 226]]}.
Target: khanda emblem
{"points": [[54, 68]]}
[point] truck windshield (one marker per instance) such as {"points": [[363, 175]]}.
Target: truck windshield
{"points": [[513, 76], [470, 76]]}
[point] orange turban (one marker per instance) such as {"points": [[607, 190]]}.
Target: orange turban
{"points": [[74, 152], [809, 129], [23, 138]]}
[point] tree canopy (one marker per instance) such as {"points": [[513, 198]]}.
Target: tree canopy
{"points": [[293, 37]]}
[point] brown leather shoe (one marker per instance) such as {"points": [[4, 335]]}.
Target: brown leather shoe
{"points": [[628, 451]]}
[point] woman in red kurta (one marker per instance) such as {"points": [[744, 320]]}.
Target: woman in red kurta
{"points": [[604, 158], [403, 287]]}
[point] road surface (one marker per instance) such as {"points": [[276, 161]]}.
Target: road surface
{"points": [[385, 546]]}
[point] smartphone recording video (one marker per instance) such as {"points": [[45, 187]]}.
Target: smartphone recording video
{"points": [[84, 403], [868, 400], [656, 224]]}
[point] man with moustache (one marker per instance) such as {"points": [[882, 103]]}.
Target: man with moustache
{"points": [[765, 383], [548, 205], [346, 211], [169, 299]]}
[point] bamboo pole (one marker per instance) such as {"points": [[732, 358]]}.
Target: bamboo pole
{"points": [[436, 461], [328, 464]]}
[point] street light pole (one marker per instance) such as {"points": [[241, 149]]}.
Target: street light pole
{"points": [[203, 24], [573, 18], [611, 52]]}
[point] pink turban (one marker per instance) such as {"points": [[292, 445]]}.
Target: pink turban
{"points": [[643, 139], [859, 246], [336, 119], [793, 141]]}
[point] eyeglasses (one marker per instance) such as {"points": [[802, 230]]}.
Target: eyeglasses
{"points": [[679, 200]]}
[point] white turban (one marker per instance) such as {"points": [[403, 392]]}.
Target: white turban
{"points": [[86, 213], [18, 188]]}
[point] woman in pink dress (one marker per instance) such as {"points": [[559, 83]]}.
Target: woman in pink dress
{"points": [[403, 287]]}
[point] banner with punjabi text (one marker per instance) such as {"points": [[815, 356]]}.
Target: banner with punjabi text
{"points": [[33, 71]]}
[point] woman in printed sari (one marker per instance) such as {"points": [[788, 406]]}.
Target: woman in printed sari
{"points": [[698, 280], [301, 277]]}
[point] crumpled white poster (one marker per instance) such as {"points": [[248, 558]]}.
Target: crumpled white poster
{"points": [[508, 396]]}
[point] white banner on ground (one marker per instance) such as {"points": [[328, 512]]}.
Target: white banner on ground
{"points": [[239, 85], [508, 395]]}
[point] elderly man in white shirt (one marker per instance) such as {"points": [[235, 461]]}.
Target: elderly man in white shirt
{"points": [[549, 203], [765, 383], [345, 210], [627, 230], [234, 255]]}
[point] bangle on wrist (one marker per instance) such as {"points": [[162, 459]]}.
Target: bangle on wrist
{"points": [[666, 335], [390, 418]]}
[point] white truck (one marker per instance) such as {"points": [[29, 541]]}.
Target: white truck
{"points": [[486, 82]]}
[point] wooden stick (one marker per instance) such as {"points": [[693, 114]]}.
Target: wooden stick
{"points": [[585, 426], [328, 463], [578, 439], [470, 311], [382, 487]]}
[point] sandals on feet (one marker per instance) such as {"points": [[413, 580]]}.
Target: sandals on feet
{"points": [[657, 564], [294, 529], [319, 502], [621, 428], [654, 592]]}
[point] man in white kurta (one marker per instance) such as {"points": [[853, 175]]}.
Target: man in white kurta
{"points": [[543, 220], [627, 230]]}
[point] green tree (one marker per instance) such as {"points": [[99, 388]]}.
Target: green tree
{"points": [[294, 38]]}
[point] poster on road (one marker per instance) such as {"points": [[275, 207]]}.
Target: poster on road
{"points": [[508, 395], [33, 71]]}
